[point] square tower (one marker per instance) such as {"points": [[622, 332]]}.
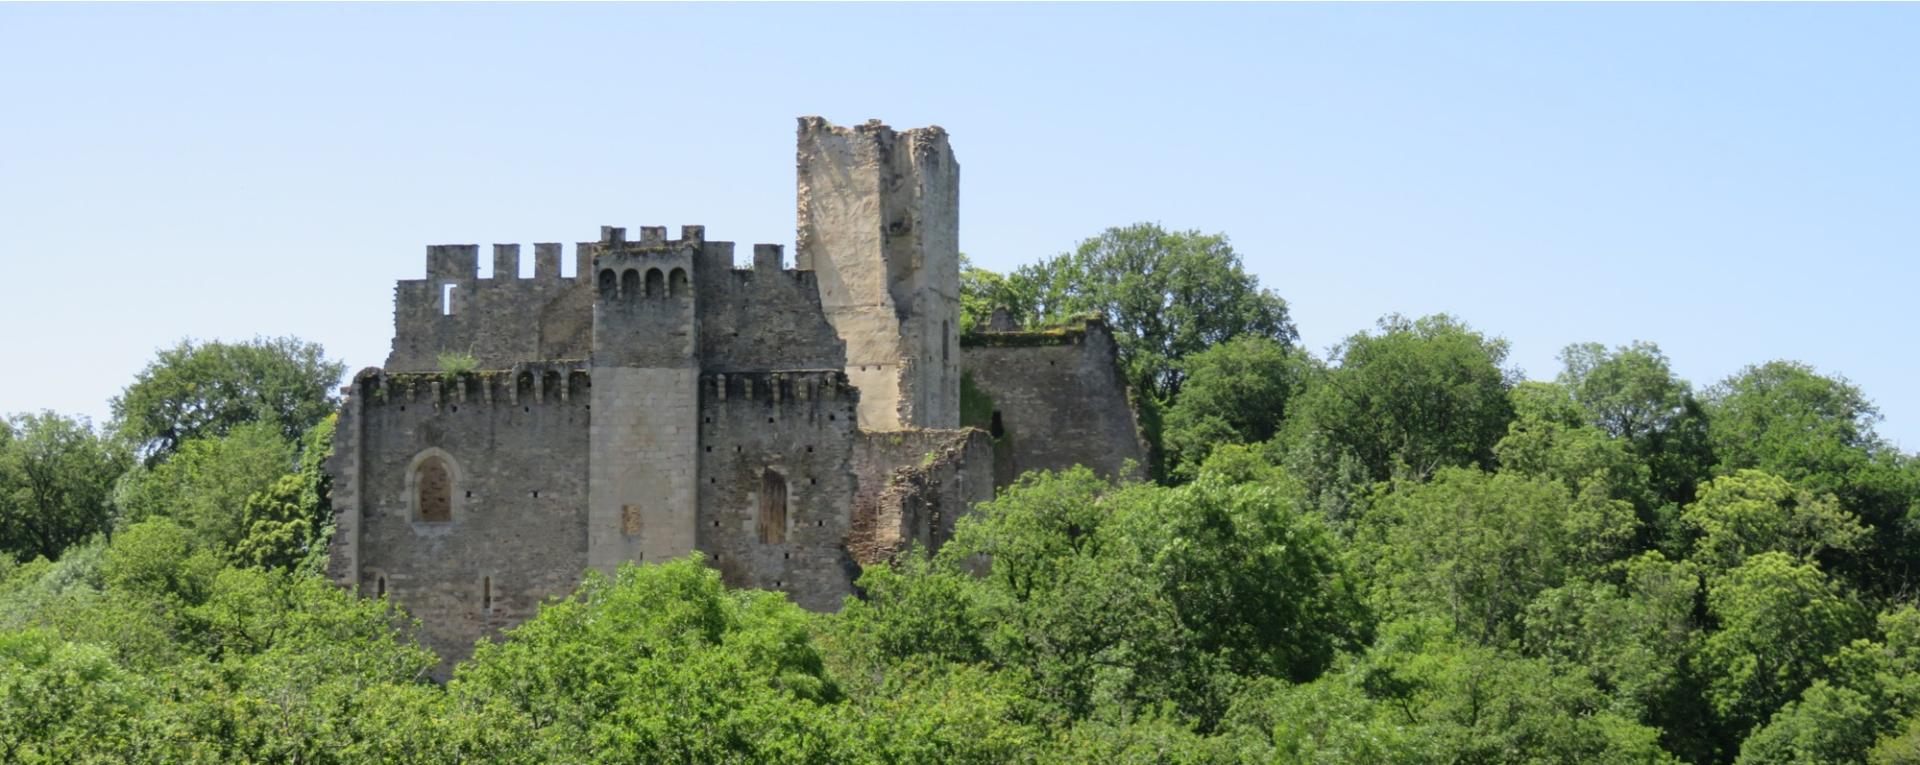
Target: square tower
{"points": [[879, 221]]}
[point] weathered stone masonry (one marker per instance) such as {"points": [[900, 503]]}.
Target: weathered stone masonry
{"points": [[789, 425]]}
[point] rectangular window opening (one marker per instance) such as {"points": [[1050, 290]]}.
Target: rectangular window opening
{"points": [[446, 299]]}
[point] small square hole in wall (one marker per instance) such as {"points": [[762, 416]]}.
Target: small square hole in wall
{"points": [[455, 408], [769, 419], [709, 420], [469, 495], [786, 556], [813, 481], [536, 495], [526, 409], [713, 480], [819, 523], [716, 556], [709, 450], [809, 450], [716, 524], [403, 408], [830, 417], [736, 449]]}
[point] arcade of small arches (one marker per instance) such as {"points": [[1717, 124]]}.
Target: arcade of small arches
{"points": [[629, 283]]}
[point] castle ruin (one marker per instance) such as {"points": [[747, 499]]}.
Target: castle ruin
{"points": [[790, 425]]}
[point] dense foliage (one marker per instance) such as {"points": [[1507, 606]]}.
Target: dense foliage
{"points": [[1398, 553]]}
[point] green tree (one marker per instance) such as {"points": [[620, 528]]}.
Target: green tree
{"points": [[205, 486], [56, 476], [1751, 512], [1476, 548], [204, 390], [1236, 392], [982, 291], [1417, 396], [1816, 431], [1167, 295], [288, 524], [1632, 394], [662, 663], [62, 702], [1422, 696], [1779, 619]]}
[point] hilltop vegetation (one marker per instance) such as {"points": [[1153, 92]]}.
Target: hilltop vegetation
{"points": [[1398, 553]]}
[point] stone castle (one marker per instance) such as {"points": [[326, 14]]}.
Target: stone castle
{"points": [[790, 425]]}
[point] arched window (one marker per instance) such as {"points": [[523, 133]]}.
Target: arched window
{"points": [[434, 486], [773, 507], [656, 283], [630, 284], [608, 283], [677, 282]]}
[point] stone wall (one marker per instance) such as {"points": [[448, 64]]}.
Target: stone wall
{"points": [[762, 319], [913, 486], [1059, 399], [879, 219], [501, 321], [516, 443], [800, 426]]}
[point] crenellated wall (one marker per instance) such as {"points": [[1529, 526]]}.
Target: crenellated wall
{"points": [[500, 321], [801, 426], [514, 442], [764, 318]]}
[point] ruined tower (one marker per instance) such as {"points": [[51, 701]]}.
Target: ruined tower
{"points": [[879, 218]]}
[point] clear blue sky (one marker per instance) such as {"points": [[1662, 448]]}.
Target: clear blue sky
{"points": [[1735, 182]]}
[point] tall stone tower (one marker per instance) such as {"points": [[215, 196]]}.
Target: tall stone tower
{"points": [[879, 219], [641, 472]]}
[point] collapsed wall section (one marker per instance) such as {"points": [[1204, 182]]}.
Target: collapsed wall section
{"points": [[462, 498], [776, 482], [1053, 399], [914, 485]]}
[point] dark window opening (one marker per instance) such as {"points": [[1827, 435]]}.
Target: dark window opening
{"points": [[436, 491], [630, 284], [608, 283], [773, 507], [656, 283], [380, 587], [946, 342], [677, 282], [996, 429], [486, 594]]}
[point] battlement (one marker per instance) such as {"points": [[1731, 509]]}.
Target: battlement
{"points": [[551, 382], [460, 263], [783, 387]]}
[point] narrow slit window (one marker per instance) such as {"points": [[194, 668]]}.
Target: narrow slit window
{"points": [[486, 594], [773, 507], [446, 299]]}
